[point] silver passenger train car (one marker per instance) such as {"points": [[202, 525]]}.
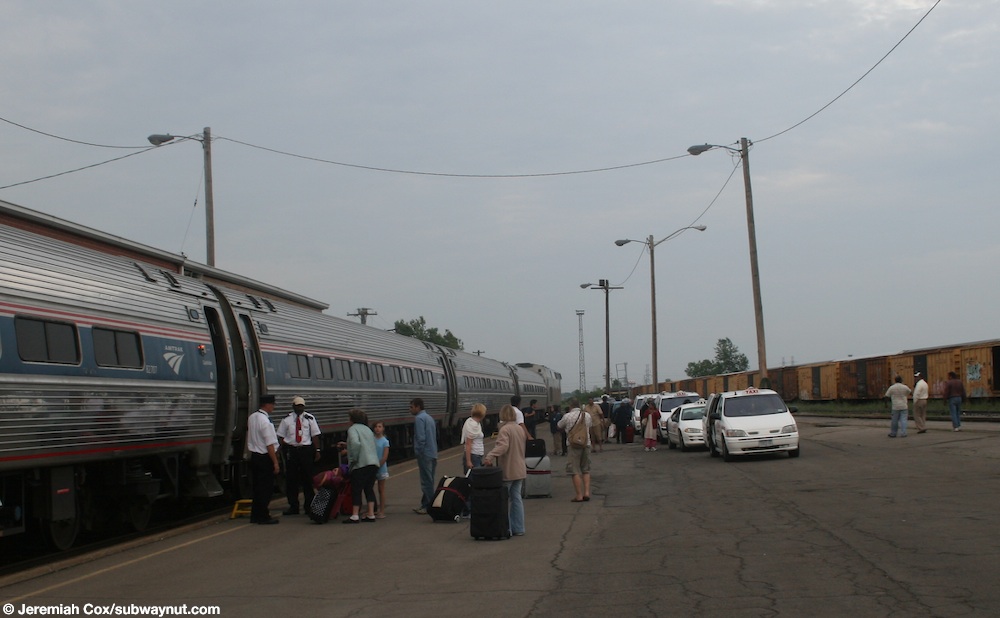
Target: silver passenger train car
{"points": [[127, 374]]}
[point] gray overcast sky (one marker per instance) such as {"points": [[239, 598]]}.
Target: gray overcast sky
{"points": [[876, 220]]}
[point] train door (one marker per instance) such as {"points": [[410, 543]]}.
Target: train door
{"points": [[919, 365], [244, 384], [225, 391], [451, 430]]}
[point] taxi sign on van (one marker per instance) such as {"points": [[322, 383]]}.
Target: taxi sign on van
{"points": [[752, 391]]}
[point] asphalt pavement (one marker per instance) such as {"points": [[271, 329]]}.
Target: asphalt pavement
{"points": [[860, 525]]}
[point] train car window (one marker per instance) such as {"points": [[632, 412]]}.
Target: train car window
{"points": [[418, 377], [361, 371], [145, 274], [430, 377], [43, 341], [325, 368], [397, 375], [117, 348], [408, 375], [344, 370], [171, 279], [298, 365]]}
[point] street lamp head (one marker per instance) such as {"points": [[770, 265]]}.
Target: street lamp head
{"points": [[622, 242], [700, 228], [157, 139], [698, 149], [585, 285]]}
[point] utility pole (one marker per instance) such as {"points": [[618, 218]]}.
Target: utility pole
{"points": [[206, 144], [583, 373], [602, 284], [363, 313], [758, 310]]}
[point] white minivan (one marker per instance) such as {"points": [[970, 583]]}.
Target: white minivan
{"points": [[749, 422]]}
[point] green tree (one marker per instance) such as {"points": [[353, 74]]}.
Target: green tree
{"points": [[701, 368], [728, 359], [418, 329]]}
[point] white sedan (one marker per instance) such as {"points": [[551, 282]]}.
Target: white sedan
{"points": [[683, 426]]}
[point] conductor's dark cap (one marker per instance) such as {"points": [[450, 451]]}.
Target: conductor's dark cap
{"points": [[266, 399]]}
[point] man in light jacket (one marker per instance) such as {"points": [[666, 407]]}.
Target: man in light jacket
{"points": [[920, 394]]}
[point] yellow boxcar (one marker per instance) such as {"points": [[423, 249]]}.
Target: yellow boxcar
{"points": [[978, 370], [818, 381]]}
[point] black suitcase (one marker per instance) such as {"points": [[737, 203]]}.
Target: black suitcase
{"points": [[449, 499], [535, 448], [486, 478], [489, 514]]}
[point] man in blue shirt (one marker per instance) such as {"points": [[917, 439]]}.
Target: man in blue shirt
{"points": [[426, 451]]}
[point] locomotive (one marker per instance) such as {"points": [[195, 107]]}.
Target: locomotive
{"points": [[127, 375]]}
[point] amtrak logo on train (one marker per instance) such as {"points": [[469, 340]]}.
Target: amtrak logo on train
{"points": [[174, 358]]}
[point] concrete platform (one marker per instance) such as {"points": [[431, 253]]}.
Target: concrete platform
{"points": [[859, 524]]}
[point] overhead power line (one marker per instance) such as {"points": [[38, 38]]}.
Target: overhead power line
{"points": [[141, 149], [66, 139]]}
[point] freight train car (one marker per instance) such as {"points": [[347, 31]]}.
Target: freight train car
{"points": [[127, 375], [866, 378]]}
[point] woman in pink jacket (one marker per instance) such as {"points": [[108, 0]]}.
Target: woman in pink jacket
{"points": [[508, 454]]}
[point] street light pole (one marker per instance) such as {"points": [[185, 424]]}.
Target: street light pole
{"points": [[652, 308], [649, 242], [206, 144], [758, 306], [603, 284]]}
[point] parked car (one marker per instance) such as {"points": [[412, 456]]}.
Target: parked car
{"points": [[749, 422], [640, 400], [666, 402], [683, 426]]}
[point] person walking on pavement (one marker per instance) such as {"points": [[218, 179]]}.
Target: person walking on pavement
{"points": [[363, 459], [298, 435], [472, 439], [578, 462], [508, 454], [920, 394], [426, 451], [622, 417], [557, 435], [954, 393], [650, 423], [897, 394], [596, 427], [531, 418], [262, 442]]}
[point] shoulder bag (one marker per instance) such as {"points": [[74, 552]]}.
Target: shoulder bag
{"points": [[578, 434]]}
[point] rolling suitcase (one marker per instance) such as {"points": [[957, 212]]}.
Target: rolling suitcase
{"points": [[486, 478], [449, 499], [489, 514], [629, 434], [538, 482], [535, 448]]}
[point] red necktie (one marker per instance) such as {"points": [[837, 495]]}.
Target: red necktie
{"points": [[298, 429]]}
